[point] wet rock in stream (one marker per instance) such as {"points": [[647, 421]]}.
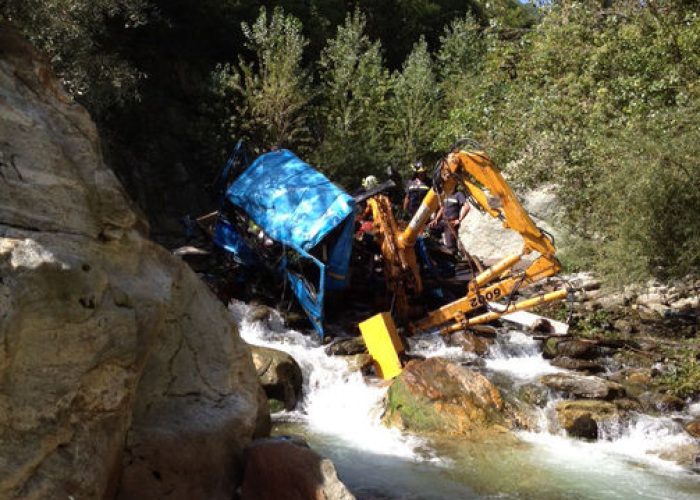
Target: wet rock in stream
{"points": [[469, 342], [582, 365], [438, 396], [653, 401], [534, 394], [582, 386], [259, 312], [571, 348], [277, 468], [279, 375], [693, 428], [347, 346], [581, 419], [359, 362]]}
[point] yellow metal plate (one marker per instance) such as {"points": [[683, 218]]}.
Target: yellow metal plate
{"points": [[383, 344]]}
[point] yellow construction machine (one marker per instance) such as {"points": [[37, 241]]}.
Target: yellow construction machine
{"points": [[486, 188]]}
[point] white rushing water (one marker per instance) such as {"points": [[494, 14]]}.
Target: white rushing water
{"points": [[336, 401], [518, 356], [340, 415]]}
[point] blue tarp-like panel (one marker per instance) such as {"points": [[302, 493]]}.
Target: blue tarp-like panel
{"points": [[297, 206], [292, 202]]}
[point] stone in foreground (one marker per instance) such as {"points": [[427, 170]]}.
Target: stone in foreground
{"points": [[281, 468], [120, 373]]}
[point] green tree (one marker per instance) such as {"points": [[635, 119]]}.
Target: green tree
{"points": [[79, 38], [479, 86], [460, 66], [269, 95], [353, 89], [612, 95], [413, 108]]}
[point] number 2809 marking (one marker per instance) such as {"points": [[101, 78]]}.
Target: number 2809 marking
{"points": [[482, 299]]}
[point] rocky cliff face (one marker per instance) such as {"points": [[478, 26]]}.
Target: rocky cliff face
{"points": [[120, 373]]}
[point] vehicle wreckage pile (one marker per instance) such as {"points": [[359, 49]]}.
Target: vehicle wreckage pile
{"points": [[284, 227]]}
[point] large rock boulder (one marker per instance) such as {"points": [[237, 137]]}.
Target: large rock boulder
{"points": [[486, 238], [279, 374], [469, 342], [693, 428], [438, 396], [120, 374], [570, 348], [346, 347], [285, 468]]}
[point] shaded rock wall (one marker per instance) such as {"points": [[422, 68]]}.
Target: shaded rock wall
{"points": [[120, 373]]}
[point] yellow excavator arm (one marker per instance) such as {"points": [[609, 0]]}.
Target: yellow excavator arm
{"points": [[475, 171]]}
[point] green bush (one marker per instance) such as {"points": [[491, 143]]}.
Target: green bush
{"points": [[607, 102], [351, 115], [270, 94]]}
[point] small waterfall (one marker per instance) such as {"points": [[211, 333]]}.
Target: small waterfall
{"points": [[518, 356], [639, 439], [336, 402], [432, 345], [645, 439]]}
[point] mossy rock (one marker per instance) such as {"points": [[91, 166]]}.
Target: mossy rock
{"points": [[549, 349], [436, 396], [276, 405], [534, 394]]}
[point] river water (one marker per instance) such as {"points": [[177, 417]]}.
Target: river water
{"points": [[340, 418]]}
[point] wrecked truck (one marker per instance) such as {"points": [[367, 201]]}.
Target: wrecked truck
{"points": [[282, 214]]}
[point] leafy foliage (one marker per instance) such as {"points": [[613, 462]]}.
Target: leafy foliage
{"points": [[352, 113], [72, 33], [271, 93], [611, 102], [413, 108], [600, 98], [683, 380]]}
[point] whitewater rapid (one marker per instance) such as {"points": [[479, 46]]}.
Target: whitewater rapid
{"points": [[336, 401], [341, 414]]}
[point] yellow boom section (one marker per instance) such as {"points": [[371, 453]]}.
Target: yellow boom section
{"points": [[475, 171], [502, 202]]}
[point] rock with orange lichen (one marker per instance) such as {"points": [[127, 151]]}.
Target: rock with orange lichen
{"points": [[436, 396]]}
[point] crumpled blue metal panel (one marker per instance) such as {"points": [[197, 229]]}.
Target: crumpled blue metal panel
{"points": [[292, 202], [297, 206]]}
